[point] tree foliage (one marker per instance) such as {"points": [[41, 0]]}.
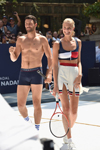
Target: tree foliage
{"points": [[12, 6], [92, 10]]}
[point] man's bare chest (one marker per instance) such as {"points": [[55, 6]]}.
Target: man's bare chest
{"points": [[31, 45]]}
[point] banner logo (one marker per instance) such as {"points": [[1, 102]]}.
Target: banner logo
{"points": [[5, 81]]}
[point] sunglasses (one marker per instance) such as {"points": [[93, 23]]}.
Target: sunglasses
{"points": [[11, 20]]}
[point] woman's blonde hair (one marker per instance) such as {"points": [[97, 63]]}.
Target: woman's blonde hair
{"points": [[69, 20]]}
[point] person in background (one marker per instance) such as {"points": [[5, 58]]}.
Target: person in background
{"points": [[49, 31], [87, 31], [5, 21], [82, 34], [13, 38], [55, 36], [61, 36], [13, 28], [19, 34], [7, 37], [93, 28], [2, 37], [60, 32], [97, 49], [3, 31], [2, 28], [49, 38]]}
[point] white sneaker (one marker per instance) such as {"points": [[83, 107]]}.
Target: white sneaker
{"points": [[65, 139], [71, 146], [68, 144], [64, 147]]}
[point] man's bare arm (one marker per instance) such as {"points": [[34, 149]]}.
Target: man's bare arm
{"points": [[48, 54], [15, 51], [19, 21]]}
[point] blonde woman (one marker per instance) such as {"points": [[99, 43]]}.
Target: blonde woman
{"points": [[67, 78]]}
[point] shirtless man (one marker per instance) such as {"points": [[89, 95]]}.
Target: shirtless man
{"points": [[32, 46]]}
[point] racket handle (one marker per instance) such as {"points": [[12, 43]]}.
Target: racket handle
{"points": [[57, 97], [51, 85], [39, 72]]}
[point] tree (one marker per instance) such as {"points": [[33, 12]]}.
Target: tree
{"points": [[7, 7], [3, 4]]}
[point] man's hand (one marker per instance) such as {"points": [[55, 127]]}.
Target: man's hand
{"points": [[11, 49], [15, 13], [49, 78]]}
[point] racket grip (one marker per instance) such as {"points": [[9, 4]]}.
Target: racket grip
{"points": [[57, 97], [39, 72]]}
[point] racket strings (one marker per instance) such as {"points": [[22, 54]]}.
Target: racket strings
{"points": [[56, 125]]}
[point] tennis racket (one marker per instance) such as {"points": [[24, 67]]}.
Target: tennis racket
{"points": [[51, 85], [59, 123]]}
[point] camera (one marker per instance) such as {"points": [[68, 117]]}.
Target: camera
{"points": [[14, 13], [48, 144]]}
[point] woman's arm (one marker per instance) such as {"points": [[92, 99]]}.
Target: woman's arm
{"points": [[55, 67], [79, 77], [55, 62], [79, 58]]}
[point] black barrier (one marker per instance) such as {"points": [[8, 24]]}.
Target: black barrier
{"points": [[87, 59], [9, 71]]}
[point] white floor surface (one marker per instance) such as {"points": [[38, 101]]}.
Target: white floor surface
{"points": [[86, 131]]}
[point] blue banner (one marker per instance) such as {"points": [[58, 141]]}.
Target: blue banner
{"points": [[9, 71]]}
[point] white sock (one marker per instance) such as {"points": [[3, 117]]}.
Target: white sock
{"points": [[37, 126], [27, 118]]}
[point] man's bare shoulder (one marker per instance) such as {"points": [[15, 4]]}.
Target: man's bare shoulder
{"points": [[37, 34], [42, 38], [21, 38]]}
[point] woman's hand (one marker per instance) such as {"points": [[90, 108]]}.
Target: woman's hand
{"points": [[77, 81], [55, 90]]}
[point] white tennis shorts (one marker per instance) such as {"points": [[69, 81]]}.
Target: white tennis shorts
{"points": [[66, 76]]}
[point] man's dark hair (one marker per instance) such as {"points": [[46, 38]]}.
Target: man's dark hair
{"points": [[32, 18]]}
